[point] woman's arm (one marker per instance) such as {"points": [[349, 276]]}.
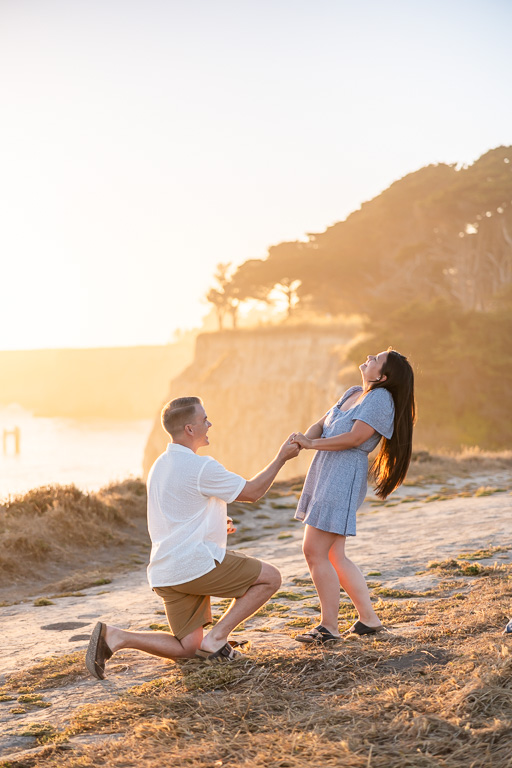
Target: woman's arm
{"points": [[359, 434], [315, 430]]}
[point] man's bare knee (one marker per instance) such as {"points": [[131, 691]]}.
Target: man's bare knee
{"points": [[190, 643], [270, 576]]}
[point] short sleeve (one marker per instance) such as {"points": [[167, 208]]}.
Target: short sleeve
{"points": [[350, 391], [378, 410], [216, 480]]}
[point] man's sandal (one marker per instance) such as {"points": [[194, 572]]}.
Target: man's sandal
{"points": [[318, 636], [362, 629], [98, 652], [224, 654]]}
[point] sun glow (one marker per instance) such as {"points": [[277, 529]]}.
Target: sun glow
{"points": [[138, 155]]}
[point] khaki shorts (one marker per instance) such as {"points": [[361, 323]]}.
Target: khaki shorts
{"points": [[187, 606]]}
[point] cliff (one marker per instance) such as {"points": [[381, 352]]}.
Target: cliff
{"points": [[258, 386]]}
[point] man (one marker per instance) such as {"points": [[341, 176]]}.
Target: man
{"points": [[187, 521]]}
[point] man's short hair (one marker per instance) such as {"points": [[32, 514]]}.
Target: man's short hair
{"points": [[178, 413]]}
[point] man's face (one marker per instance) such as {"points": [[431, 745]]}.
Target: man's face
{"points": [[201, 426]]}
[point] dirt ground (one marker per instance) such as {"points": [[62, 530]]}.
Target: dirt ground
{"points": [[46, 628]]}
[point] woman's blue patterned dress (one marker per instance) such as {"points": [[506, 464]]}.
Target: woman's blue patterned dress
{"points": [[336, 483]]}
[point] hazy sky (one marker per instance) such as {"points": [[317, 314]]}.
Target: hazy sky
{"points": [[143, 142]]}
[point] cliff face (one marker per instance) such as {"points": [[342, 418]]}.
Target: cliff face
{"points": [[258, 386]]}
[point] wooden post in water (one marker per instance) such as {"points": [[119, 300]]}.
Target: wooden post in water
{"points": [[15, 433]]}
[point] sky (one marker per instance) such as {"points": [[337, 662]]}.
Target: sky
{"points": [[142, 143]]}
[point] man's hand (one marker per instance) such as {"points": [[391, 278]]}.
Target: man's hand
{"points": [[231, 527], [289, 449], [302, 440], [256, 487]]}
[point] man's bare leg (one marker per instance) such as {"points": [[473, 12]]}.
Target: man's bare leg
{"points": [[156, 643], [241, 608], [169, 647]]}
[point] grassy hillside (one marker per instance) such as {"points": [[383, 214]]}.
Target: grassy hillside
{"points": [[58, 532]]}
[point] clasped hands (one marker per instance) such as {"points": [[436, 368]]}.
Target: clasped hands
{"points": [[301, 440], [292, 446]]}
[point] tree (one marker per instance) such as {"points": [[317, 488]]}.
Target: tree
{"points": [[217, 298], [257, 279], [225, 296], [440, 232]]}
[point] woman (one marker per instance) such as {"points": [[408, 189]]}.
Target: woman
{"points": [[335, 487]]}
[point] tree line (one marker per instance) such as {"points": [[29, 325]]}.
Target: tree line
{"points": [[428, 265], [440, 232]]}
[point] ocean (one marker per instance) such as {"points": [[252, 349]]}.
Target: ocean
{"points": [[89, 454]]}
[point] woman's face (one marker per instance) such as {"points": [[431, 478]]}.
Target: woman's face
{"points": [[372, 368]]}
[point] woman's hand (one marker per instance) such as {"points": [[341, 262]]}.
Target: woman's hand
{"points": [[301, 440]]}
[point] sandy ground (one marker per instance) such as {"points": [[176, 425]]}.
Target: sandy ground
{"points": [[397, 539]]}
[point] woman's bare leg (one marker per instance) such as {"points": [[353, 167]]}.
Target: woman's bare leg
{"points": [[316, 548], [353, 582]]}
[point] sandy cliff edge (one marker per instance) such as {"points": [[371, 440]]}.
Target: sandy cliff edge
{"points": [[258, 387]]}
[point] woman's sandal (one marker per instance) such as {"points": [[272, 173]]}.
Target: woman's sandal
{"points": [[224, 654], [317, 635], [240, 643], [362, 629]]}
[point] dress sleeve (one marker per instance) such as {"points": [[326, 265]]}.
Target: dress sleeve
{"points": [[346, 395], [378, 410]]}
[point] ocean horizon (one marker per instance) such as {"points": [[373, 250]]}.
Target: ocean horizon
{"points": [[87, 453]]}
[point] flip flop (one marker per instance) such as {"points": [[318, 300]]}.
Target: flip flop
{"points": [[362, 629], [98, 652], [240, 643], [224, 654], [318, 636]]}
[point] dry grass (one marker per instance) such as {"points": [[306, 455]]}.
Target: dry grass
{"points": [[52, 672], [429, 467], [439, 698], [48, 524], [462, 568], [482, 554], [71, 585]]}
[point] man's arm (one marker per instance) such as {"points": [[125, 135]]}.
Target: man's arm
{"points": [[255, 488]]}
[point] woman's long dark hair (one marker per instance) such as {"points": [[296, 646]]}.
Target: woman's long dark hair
{"points": [[392, 462]]}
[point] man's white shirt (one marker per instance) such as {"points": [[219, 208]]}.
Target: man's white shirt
{"points": [[187, 521]]}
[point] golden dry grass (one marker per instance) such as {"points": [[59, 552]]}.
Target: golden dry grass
{"points": [[429, 467], [53, 672], [441, 698], [50, 523]]}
